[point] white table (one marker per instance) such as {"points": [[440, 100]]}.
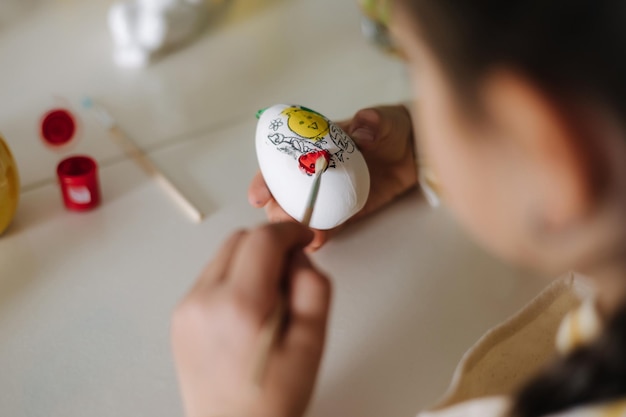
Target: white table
{"points": [[85, 299]]}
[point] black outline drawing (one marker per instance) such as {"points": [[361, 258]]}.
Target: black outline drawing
{"points": [[297, 146], [276, 124], [341, 140]]}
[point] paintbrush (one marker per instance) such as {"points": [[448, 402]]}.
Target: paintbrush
{"points": [[142, 160], [270, 331], [320, 167]]}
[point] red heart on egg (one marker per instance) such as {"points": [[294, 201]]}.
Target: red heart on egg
{"points": [[308, 160]]}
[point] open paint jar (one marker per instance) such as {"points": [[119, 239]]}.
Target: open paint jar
{"points": [[78, 178]]}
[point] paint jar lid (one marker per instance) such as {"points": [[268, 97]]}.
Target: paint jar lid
{"points": [[58, 127]]}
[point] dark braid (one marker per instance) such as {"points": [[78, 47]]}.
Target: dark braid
{"points": [[572, 49], [591, 374]]}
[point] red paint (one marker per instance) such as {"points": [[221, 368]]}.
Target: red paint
{"points": [[58, 127], [307, 161], [78, 177]]}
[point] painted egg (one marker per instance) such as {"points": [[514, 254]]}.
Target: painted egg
{"points": [[289, 140]]}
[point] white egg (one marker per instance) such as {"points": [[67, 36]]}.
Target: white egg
{"points": [[289, 139]]}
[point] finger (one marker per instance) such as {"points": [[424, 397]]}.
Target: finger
{"points": [[344, 124], [394, 119], [260, 263], [276, 214], [309, 305], [365, 127], [320, 237], [258, 193], [385, 130], [215, 271], [310, 290], [300, 345]]}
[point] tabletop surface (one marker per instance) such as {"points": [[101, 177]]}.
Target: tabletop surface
{"points": [[85, 299]]}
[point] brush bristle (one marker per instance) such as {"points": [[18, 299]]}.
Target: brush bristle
{"points": [[87, 103], [101, 114], [320, 164]]}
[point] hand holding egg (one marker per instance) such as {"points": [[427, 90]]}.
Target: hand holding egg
{"points": [[383, 138], [289, 140]]}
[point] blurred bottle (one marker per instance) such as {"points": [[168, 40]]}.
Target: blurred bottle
{"points": [[374, 24], [9, 186]]}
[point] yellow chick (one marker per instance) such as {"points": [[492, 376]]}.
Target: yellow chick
{"points": [[306, 123]]}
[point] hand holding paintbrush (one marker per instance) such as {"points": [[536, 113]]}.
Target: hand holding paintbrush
{"points": [[272, 328], [218, 330]]}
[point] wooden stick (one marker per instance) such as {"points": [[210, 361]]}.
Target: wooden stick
{"points": [[153, 171], [270, 331]]}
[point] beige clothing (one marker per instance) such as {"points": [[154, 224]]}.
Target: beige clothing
{"points": [[508, 355]]}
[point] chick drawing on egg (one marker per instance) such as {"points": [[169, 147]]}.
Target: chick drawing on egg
{"points": [[306, 123], [290, 139], [310, 143]]}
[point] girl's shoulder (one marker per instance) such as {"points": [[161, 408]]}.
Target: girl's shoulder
{"points": [[508, 355], [493, 371], [500, 407]]}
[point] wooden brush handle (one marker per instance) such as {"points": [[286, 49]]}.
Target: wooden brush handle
{"points": [[153, 171]]}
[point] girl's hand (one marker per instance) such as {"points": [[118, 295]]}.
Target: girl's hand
{"points": [[385, 137], [216, 327]]}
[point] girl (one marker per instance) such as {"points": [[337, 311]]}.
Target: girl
{"points": [[522, 116]]}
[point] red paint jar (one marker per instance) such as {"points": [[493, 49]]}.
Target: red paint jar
{"points": [[78, 177]]}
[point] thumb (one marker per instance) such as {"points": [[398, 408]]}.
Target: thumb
{"points": [[385, 131], [309, 304], [365, 128]]}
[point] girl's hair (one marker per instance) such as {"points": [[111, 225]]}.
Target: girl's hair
{"points": [[573, 50], [569, 48]]}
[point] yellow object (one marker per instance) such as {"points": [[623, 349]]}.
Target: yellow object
{"points": [[306, 123], [9, 186]]}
